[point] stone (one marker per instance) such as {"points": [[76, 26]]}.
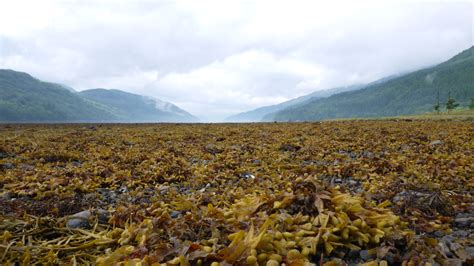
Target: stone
{"points": [[470, 252], [436, 142], [463, 222], [213, 149], [464, 215], [3, 155], [163, 189], [453, 262], [246, 175], [79, 220], [445, 249], [6, 195], [208, 185], [26, 167], [353, 182], [108, 195], [256, 161], [103, 216], [289, 147], [365, 254], [6, 166], [460, 233], [83, 219], [123, 189], [175, 214], [368, 154], [390, 258]]}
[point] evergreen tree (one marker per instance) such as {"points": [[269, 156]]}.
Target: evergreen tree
{"points": [[437, 106], [451, 104]]}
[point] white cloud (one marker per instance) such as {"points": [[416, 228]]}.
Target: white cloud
{"points": [[215, 58], [241, 81]]}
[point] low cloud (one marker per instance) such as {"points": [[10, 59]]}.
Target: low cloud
{"points": [[216, 58]]}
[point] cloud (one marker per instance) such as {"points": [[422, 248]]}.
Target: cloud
{"points": [[215, 58], [238, 82]]}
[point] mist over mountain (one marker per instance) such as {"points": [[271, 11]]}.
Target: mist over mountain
{"points": [[258, 114], [24, 98], [410, 93], [137, 108]]}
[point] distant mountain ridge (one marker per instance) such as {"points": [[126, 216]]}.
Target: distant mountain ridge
{"points": [[411, 93], [137, 108], [258, 114], [24, 98]]}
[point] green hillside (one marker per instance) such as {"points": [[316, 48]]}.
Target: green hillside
{"points": [[27, 99], [412, 93], [258, 114], [131, 107]]}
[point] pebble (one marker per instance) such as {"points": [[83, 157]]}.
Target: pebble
{"points": [[123, 189], [464, 222], [247, 176], [83, 219], [256, 161], [108, 195], [289, 147], [364, 254], [3, 155], [103, 216], [6, 166], [460, 233], [25, 167], [445, 249], [6, 195], [79, 220], [436, 142], [353, 182], [175, 214], [213, 149], [390, 258], [208, 185], [453, 262], [163, 189], [464, 215], [470, 252]]}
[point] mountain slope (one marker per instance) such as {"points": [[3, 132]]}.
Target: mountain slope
{"points": [[27, 99], [258, 114], [131, 107], [408, 94], [24, 98]]}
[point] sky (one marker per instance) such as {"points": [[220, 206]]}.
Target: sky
{"points": [[218, 58]]}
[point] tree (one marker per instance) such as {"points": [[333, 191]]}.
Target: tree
{"points": [[437, 106], [471, 106], [451, 104]]}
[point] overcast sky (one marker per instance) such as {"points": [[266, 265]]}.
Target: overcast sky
{"points": [[217, 58]]}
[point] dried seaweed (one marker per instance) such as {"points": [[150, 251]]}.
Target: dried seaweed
{"points": [[373, 192]]}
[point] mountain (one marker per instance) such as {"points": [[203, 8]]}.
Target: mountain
{"points": [[24, 98], [131, 107], [410, 93], [258, 114], [27, 99]]}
